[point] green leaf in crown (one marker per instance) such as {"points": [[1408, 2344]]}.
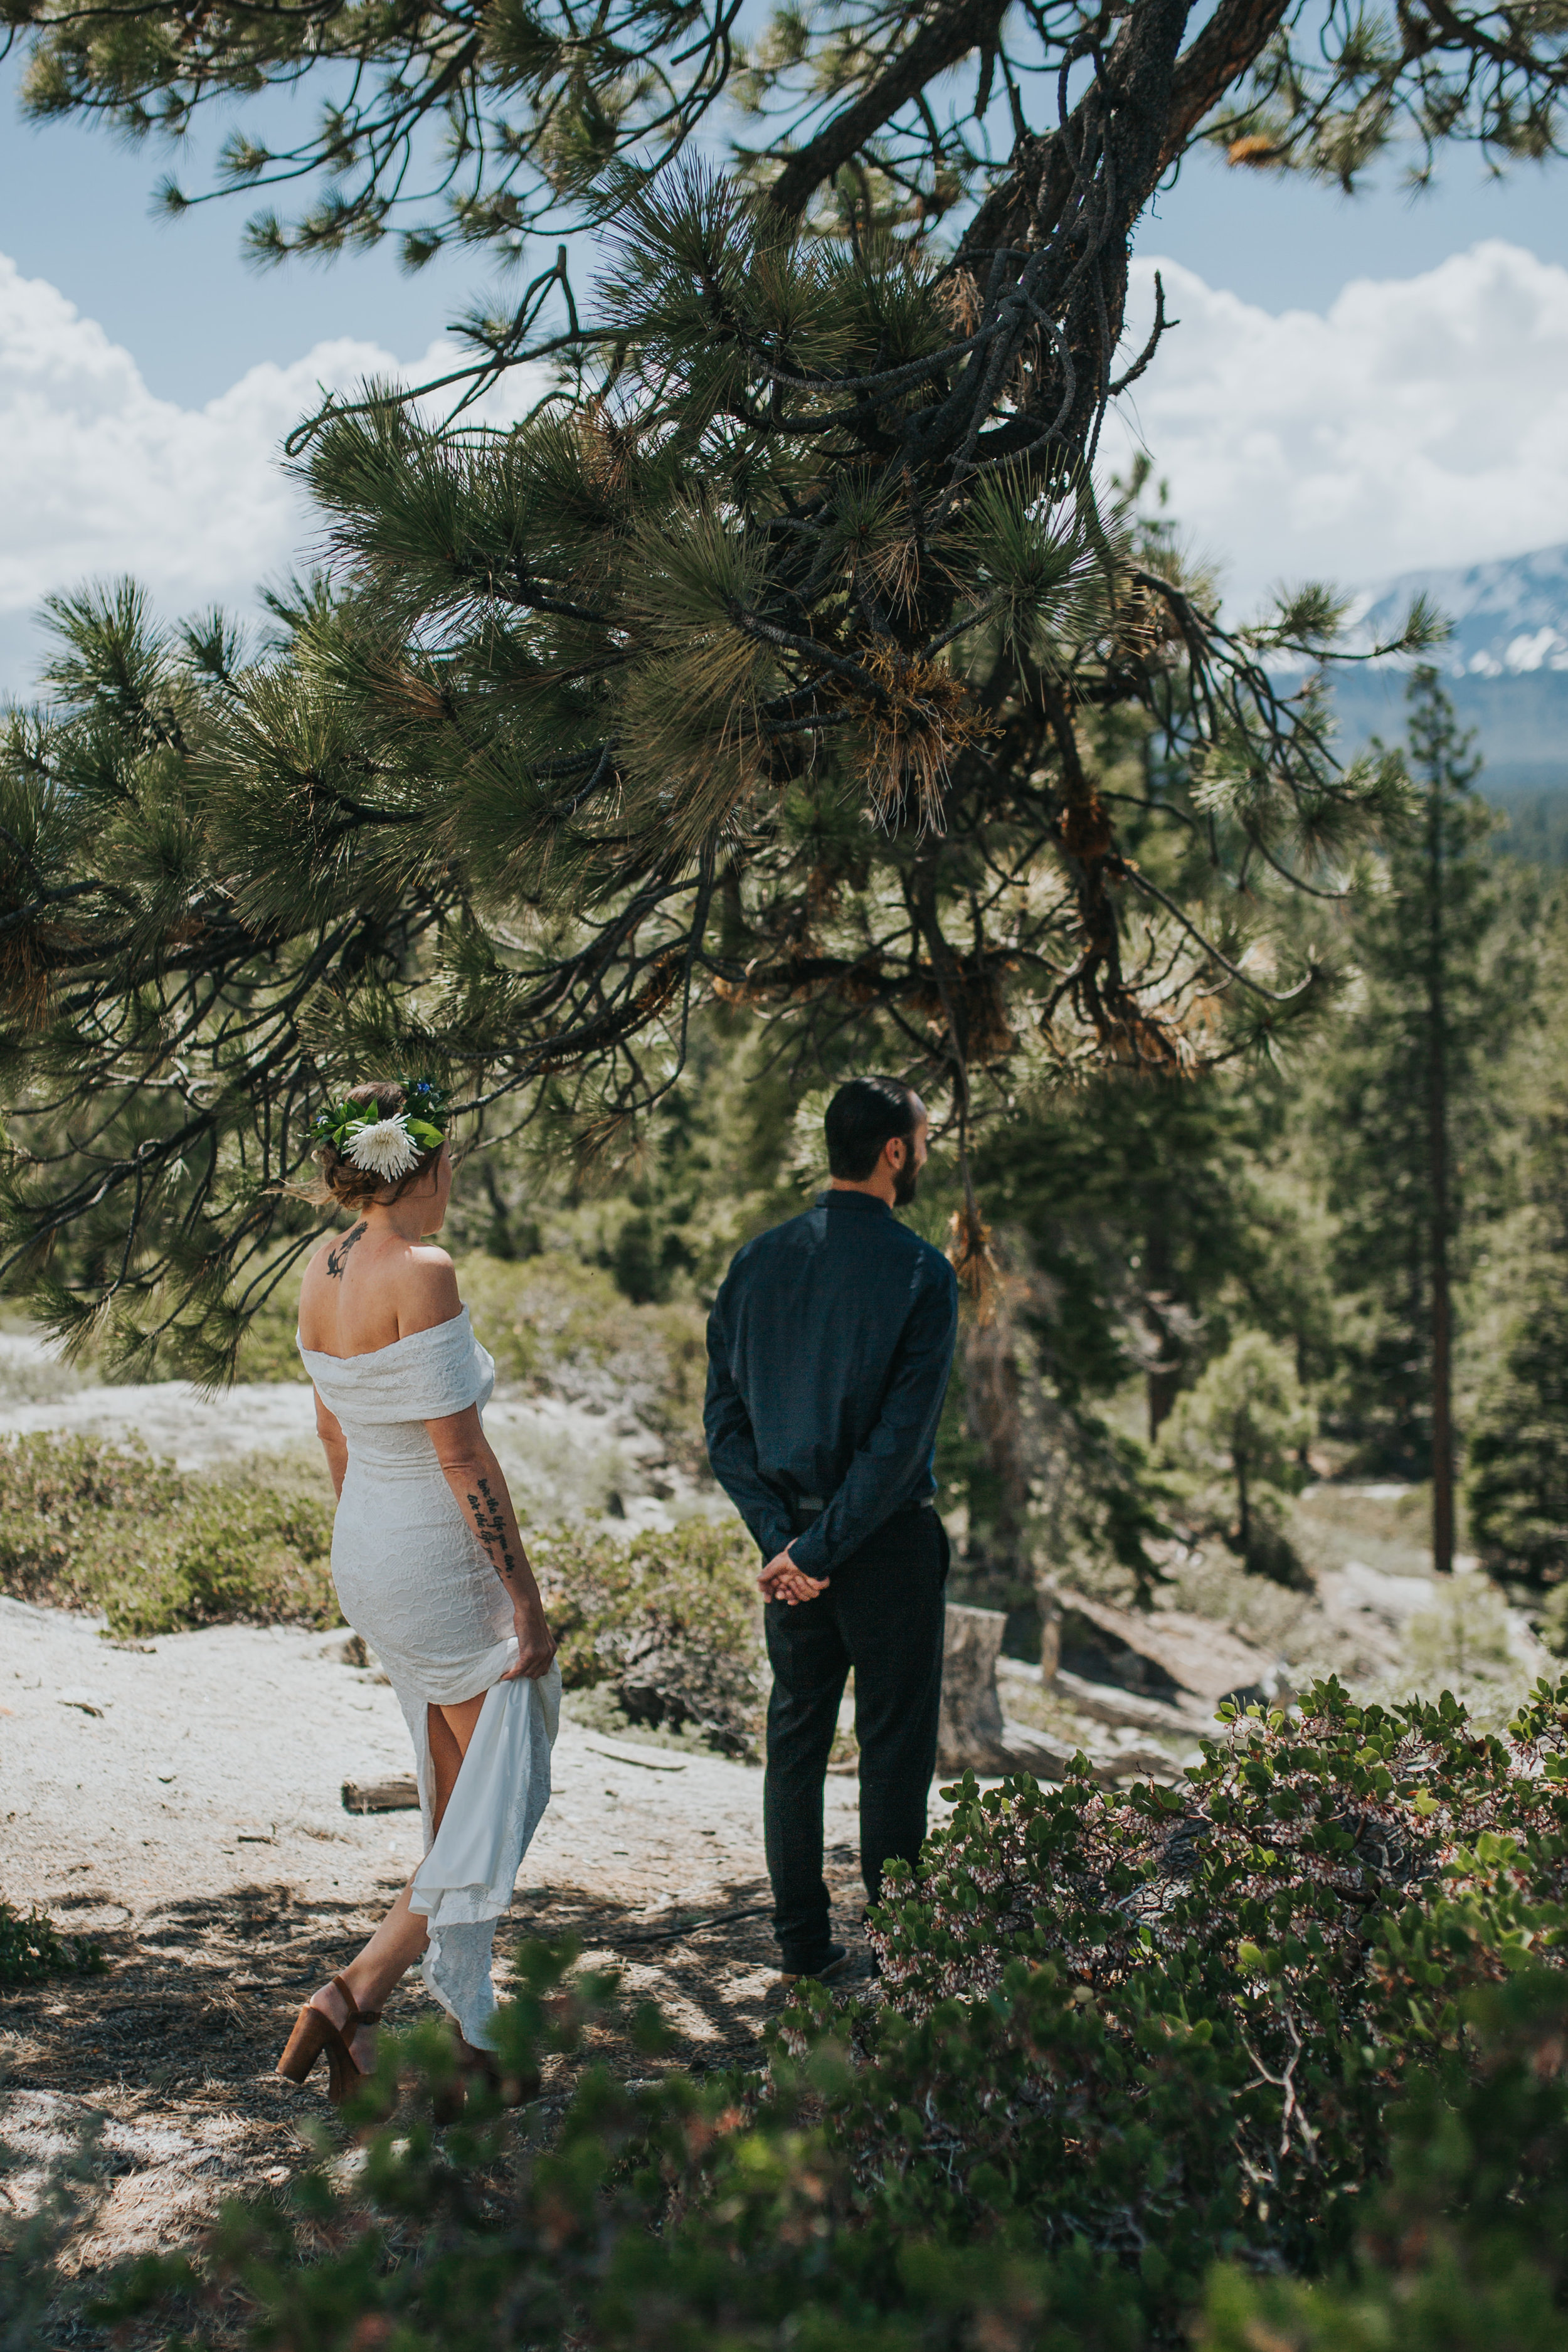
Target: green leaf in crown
{"points": [[424, 1100], [424, 1118]]}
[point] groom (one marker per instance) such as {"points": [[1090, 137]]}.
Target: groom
{"points": [[828, 1353]]}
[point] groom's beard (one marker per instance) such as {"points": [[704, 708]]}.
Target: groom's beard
{"points": [[906, 1183]]}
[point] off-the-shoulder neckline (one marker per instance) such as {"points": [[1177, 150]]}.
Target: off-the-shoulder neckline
{"points": [[367, 1355]]}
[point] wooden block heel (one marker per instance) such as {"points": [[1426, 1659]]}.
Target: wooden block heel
{"points": [[311, 2033]]}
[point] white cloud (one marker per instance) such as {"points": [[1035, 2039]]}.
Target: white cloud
{"points": [[101, 477], [1423, 421]]}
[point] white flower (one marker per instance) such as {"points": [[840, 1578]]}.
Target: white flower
{"points": [[386, 1148]]}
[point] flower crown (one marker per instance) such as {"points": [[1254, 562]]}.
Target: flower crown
{"points": [[387, 1145]]}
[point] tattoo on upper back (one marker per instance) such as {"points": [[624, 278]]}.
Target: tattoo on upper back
{"points": [[336, 1255]]}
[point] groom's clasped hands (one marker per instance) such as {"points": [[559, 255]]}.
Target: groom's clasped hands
{"points": [[782, 1581]]}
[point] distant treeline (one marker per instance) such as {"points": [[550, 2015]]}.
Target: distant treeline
{"points": [[1520, 724]]}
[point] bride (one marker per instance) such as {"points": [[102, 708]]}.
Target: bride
{"points": [[429, 1568]]}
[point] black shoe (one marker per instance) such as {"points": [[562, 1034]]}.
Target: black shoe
{"points": [[825, 1971]]}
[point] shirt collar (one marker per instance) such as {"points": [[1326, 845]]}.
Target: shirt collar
{"points": [[854, 1201]]}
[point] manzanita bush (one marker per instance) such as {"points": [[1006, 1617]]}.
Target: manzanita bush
{"points": [[1146, 2065], [1167, 2024], [1465, 2248]]}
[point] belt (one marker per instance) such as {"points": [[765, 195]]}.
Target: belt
{"points": [[811, 1506]]}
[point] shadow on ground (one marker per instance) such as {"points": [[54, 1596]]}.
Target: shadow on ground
{"points": [[162, 2067]]}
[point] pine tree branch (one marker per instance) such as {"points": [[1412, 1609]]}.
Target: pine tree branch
{"points": [[946, 37]]}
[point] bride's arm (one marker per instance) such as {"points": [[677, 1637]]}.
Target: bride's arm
{"points": [[334, 1445], [476, 1480]]}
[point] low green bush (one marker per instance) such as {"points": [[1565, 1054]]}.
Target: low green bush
{"points": [[32, 1948], [64, 1503], [557, 1325], [1172, 2021], [89, 1525], [235, 1551], [665, 2217], [671, 1622], [1465, 2248]]}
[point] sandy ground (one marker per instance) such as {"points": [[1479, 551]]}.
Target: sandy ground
{"points": [[180, 1802]]}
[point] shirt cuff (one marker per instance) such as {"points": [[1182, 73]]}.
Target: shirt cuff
{"points": [[808, 1550]]}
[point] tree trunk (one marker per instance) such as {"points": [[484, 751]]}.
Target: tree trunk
{"points": [[1437, 1152], [970, 1733], [1162, 1382], [499, 1240]]}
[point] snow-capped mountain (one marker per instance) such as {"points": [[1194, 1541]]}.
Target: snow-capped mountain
{"points": [[1510, 617], [1507, 669]]}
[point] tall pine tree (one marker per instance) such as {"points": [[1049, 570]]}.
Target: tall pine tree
{"points": [[1412, 1127], [1517, 1455]]}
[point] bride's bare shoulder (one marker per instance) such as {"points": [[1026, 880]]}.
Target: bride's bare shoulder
{"points": [[426, 1288]]}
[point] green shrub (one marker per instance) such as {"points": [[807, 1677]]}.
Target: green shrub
{"points": [[32, 1948], [240, 1551], [739, 2211], [672, 1621], [555, 1325], [63, 1500], [1466, 2247], [660, 2218], [89, 1525], [1168, 2024]]}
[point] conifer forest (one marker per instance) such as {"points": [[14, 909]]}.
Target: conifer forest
{"points": [[744, 669]]}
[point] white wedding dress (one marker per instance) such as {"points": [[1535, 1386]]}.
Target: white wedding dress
{"points": [[414, 1582]]}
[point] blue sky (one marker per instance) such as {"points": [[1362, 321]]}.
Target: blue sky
{"points": [[1357, 388], [75, 209]]}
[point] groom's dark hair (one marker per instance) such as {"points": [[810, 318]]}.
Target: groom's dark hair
{"points": [[863, 1116]]}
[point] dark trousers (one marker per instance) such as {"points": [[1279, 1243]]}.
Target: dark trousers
{"points": [[882, 1614]]}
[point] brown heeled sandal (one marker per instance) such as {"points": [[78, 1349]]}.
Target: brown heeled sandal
{"points": [[315, 2031], [474, 2064]]}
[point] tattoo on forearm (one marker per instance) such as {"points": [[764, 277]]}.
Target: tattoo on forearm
{"points": [[490, 1525], [336, 1256]]}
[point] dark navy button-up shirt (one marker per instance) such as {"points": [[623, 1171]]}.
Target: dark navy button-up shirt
{"points": [[828, 1353]]}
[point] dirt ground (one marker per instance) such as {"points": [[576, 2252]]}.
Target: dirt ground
{"points": [[179, 1802]]}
